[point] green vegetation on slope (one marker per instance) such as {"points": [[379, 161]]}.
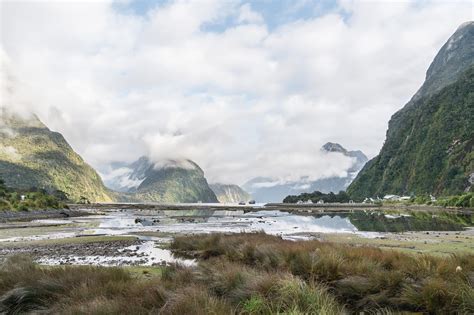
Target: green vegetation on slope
{"points": [[179, 181], [175, 185], [429, 143], [38, 199], [229, 193], [464, 201], [429, 147], [33, 156]]}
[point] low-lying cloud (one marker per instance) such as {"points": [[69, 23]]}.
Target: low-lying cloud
{"points": [[242, 100]]}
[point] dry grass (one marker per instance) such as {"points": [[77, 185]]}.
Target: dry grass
{"points": [[362, 278], [249, 274], [224, 289]]}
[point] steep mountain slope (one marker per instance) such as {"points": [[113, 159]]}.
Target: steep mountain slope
{"points": [[31, 155], [174, 181], [264, 189], [229, 193], [429, 144]]}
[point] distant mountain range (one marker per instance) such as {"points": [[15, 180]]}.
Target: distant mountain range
{"points": [[169, 182], [31, 155], [266, 189], [429, 143]]}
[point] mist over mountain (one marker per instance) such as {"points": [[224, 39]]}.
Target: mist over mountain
{"points": [[429, 142], [229, 193], [33, 156], [268, 189], [169, 181], [244, 97]]}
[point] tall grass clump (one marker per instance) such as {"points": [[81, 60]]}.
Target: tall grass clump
{"points": [[363, 278], [249, 274]]}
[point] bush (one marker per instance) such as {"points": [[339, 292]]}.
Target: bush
{"points": [[465, 200], [33, 199]]}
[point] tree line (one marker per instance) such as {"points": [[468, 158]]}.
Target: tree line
{"points": [[31, 199], [316, 196]]}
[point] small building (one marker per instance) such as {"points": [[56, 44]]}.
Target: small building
{"points": [[391, 198], [22, 197], [320, 202], [405, 198], [309, 201]]}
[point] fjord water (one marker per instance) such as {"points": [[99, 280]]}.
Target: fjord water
{"points": [[275, 222], [155, 228]]}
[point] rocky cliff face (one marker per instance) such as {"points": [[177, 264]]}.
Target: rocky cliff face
{"points": [[31, 155], [428, 148]]}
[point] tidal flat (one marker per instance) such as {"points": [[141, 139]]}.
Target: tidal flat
{"points": [[239, 261], [141, 236]]}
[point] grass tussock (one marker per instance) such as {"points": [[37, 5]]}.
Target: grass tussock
{"points": [[223, 288], [249, 274], [362, 278]]}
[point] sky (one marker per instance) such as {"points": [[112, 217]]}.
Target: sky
{"points": [[243, 88]]}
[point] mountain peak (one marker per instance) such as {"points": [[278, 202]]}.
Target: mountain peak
{"points": [[180, 180], [333, 147], [465, 24], [454, 57], [31, 155]]}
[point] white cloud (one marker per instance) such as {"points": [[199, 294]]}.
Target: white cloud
{"points": [[247, 101], [120, 180], [247, 15]]}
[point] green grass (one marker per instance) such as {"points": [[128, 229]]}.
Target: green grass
{"points": [[465, 200], [438, 244]]}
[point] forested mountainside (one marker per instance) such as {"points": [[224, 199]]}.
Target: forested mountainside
{"points": [[173, 181], [31, 155], [429, 143]]}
